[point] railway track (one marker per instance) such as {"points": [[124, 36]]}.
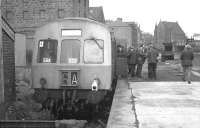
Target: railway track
{"points": [[99, 119]]}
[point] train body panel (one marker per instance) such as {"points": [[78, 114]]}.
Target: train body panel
{"points": [[82, 52], [86, 74]]}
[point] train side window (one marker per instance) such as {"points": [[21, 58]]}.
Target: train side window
{"points": [[93, 51], [70, 51], [47, 51]]}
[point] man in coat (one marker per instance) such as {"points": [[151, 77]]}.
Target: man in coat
{"points": [[141, 55], [187, 57], [152, 55], [132, 61]]}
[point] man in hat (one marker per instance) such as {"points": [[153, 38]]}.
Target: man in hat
{"points": [[131, 61]]}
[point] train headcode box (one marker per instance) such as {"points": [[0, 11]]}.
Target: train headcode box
{"points": [[70, 78]]}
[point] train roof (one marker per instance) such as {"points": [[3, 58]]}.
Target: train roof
{"points": [[75, 18]]}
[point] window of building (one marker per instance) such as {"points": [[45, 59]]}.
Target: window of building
{"points": [[47, 51], [10, 2], [42, 14], [25, 2], [93, 51], [42, 2], [27, 15], [70, 51], [61, 13], [9, 15]]}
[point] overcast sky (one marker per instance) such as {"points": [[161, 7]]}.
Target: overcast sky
{"points": [[149, 12]]}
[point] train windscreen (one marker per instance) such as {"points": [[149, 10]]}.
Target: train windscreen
{"points": [[94, 51], [70, 51], [47, 51]]}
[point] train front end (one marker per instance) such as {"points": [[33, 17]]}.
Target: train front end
{"points": [[72, 54]]}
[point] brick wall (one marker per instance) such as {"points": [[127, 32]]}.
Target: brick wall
{"points": [[26, 14], [1, 66], [9, 67]]}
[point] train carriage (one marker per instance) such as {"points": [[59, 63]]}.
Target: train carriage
{"points": [[73, 54]]}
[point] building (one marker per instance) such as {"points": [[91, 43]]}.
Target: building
{"points": [[7, 62], [196, 36], [147, 38], [194, 41], [169, 32], [96, 13], [126, 33], [25, 15]]}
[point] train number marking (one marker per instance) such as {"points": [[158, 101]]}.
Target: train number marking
{"points": [[74, 79]]}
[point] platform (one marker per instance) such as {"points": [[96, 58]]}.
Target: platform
{"points": [[122, 114], [155, 105], [167, 104]]}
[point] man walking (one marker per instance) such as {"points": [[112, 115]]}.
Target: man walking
{"points": [[131, 61], [187, 57], [152, 55]]}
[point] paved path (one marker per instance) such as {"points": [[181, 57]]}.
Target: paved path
{"points": [[167, 104]]}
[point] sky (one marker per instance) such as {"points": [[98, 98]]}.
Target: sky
{"points": [[147, 13]]}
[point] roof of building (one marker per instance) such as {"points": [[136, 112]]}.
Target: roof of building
{"points": [[120, 23], [96, 13], [172, 26]]}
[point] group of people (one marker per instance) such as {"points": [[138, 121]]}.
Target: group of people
{"points": [[136, 58]]}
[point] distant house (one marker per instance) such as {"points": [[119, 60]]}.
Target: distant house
{"points": [[96, 13], [196, 36], [169, 32], [126, 33], [147, 38], [195, 42]]}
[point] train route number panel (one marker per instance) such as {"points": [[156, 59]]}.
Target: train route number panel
{"points": [[70, 78]]}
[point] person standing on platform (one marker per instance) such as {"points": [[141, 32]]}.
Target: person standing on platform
{"points": [[131, 61], [141, 55], [152, 55], [187, 57]]}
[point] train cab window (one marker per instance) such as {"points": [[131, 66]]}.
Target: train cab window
{"points": [[47, 51], [70, 51], [93, 51]]}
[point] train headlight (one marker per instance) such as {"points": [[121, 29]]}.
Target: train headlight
{"points": [[95, 84]]}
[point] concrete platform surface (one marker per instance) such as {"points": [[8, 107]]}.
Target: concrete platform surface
{"points": [[167, 104], [122, 114]]}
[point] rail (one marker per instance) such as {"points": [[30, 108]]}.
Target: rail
{"points": [[27, 124]]}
